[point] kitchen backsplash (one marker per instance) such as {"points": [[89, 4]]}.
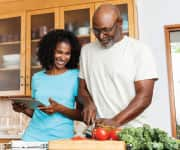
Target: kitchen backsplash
{"points": [[13, 124]]}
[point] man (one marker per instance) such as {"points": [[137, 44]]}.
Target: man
{"points": [[117, 74]]}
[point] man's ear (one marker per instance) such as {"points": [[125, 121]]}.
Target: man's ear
{"points": [[120, 21]]}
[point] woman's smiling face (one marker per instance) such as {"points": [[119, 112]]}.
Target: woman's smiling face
{"points": [[62, 55]]}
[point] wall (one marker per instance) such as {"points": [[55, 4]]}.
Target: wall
{"points": [[152, 16]]}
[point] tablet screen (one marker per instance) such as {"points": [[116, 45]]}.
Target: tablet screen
{"points": [[28, 101]]}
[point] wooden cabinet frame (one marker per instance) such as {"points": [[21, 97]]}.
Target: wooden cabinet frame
{"points": [[58, 9], [28, 42], [167, 30], [78, 7], [132, 18], [21, 91]]}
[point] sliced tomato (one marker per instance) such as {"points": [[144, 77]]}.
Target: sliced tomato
{"points": [[113, 134]]}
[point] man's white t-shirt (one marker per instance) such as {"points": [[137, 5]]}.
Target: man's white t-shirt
{"points": [[110, 74]]}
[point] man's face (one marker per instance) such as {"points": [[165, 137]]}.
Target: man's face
{"points": [[107, 32]]}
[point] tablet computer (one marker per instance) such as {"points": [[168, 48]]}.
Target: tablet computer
{"points": [[28, 101]]}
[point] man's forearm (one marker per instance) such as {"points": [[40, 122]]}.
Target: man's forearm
{"points": [[84, 97], [143, 98], [89, 108], [135, 108]]}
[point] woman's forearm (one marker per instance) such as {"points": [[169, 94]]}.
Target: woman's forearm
{"points": [[74, 114]]}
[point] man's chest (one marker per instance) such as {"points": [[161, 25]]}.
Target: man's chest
{"points": [[113, 65]]}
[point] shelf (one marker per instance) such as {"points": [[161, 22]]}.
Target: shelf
{"points": [[83, 36], [36, 67], [10, 68], [7, 136], [35, 40], [9, 43]]}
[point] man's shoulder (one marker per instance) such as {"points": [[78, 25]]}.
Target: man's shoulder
{"points": [[138, 45], [135, 41], [89, 46]]}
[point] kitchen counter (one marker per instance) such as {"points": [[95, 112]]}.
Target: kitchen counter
{"points": [[86, 144]]}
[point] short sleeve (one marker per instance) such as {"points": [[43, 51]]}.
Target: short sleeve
{"points": [[76, 84], [82, 64], [145, 65], [76, 87], [33, 87]]}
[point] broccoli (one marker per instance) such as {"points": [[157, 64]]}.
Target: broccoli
{"points": [[147, 138]]}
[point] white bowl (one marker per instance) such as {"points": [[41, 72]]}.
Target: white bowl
{"points": [[11, 60], [84, 30]]}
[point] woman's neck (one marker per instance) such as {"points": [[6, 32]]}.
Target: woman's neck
{"points": [[55, 71]]}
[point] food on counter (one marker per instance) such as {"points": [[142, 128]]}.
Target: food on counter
{"points": [[104, 133], [147, 138], [113, 134], [78, 138], [100, 134]]}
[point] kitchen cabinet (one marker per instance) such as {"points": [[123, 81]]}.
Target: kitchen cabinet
{"points": [[78, 20], [126, 8], [38, 24], [28, 21], [12, 54], [20, 34], [42, 21]]}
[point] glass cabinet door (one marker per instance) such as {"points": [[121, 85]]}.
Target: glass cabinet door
{"points": [[11, 56], [77, 19], [40, 24], [127, 13], [124, 13]]}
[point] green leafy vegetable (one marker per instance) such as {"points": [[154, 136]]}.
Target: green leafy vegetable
{"points": [[147, 138]]}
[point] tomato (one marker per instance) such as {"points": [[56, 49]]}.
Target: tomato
{"points": [[78, 138], [113, 134], [100, 134]]}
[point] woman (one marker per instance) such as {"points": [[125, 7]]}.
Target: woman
{"points": [[56, 87]]}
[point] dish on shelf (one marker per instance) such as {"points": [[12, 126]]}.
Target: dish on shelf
{"points": [[10, 67], [11, 60], [84, 30]]}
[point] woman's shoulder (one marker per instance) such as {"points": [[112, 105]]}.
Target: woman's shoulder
{"points": [[38, 74], [74, 72]]}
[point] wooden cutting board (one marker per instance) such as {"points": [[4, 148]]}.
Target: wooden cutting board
{"points": [[86, 145]]}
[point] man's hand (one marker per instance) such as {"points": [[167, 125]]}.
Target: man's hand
{"points": [[106, 122], [52, 108], [84, 98], [89, 113]]}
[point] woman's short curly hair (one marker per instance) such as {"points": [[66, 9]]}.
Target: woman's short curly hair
{"points": [[47, 46]]}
